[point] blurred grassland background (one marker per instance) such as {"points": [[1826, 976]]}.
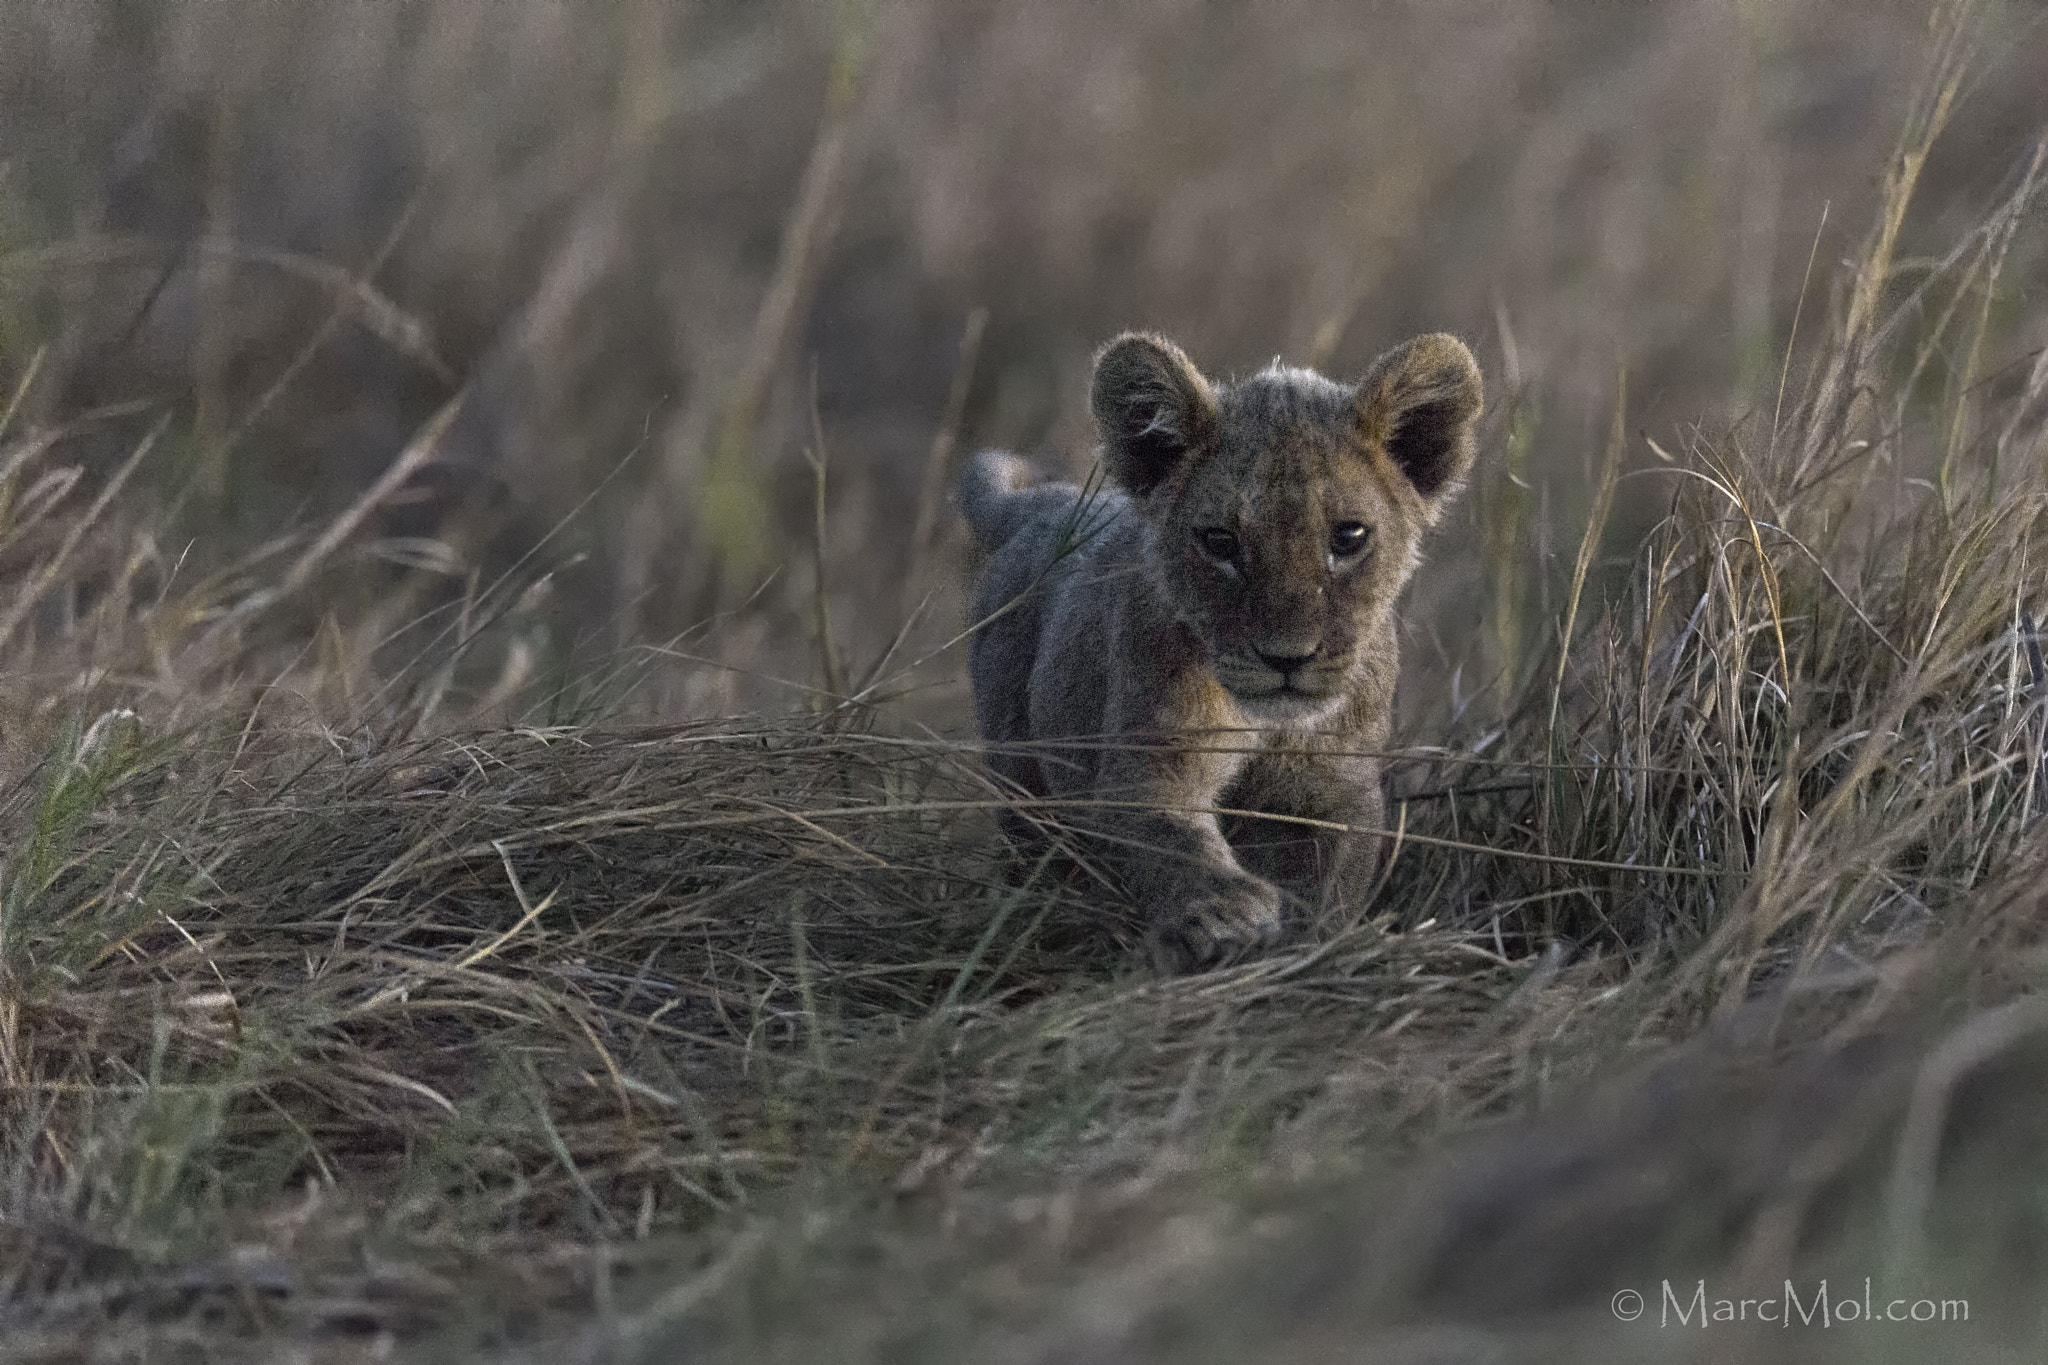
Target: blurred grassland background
{"points": [[493, 862], [658, 240]]}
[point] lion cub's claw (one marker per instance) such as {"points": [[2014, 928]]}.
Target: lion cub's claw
{"points": [[1217, 929]]}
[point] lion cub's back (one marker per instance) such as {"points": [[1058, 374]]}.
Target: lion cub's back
{"points": [[1056, 547]]}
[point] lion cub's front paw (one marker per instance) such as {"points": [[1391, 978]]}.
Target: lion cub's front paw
{"points": [[1217, 927]]}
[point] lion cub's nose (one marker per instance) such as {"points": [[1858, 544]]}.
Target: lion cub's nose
{"points": [[1288, 655]]}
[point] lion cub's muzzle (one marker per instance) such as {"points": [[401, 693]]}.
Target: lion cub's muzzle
{"points": [[1283, 679]]}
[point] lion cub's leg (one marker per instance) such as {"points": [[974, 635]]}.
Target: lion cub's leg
{"points": [[1326, 867], [1169, 853]]}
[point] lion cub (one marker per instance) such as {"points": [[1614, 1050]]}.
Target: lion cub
{"points": [[1215, 631]]}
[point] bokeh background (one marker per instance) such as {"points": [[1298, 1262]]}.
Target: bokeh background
{"points": [[672, 252]]}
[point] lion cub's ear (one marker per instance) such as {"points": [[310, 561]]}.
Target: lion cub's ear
{"points": [[1419, 402], [1153, 406]]}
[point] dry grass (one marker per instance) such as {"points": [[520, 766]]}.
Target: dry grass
{"points": [[376, 975]]}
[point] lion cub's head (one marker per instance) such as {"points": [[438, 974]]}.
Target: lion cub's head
{"points": [[1286, 510]]}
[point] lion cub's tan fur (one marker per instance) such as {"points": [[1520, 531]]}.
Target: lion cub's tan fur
{"points": [[1216, 630]]}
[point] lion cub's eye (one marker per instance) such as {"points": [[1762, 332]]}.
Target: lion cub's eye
{"points": [[1347, 538], [1217, 543]]}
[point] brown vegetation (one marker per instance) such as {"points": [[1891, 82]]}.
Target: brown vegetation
{"points": [[404, 422]]}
